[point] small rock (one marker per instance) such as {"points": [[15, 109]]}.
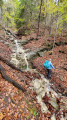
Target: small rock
{"points": [[53, 102], [53, 117]]}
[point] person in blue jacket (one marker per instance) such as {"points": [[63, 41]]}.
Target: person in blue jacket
{"points": [[48, 65]]}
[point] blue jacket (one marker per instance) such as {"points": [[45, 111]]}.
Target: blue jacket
{"points": [[50, 65]]}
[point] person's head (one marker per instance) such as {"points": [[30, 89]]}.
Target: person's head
{"points": [[50, 60]]}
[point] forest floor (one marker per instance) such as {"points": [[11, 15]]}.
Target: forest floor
{"points": [[58, 56], [16, 105]]}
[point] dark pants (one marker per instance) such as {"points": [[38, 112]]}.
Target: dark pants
{"points": [[49, 73]]}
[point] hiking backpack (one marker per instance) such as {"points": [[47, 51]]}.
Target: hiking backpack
{"points": [[46, 64]]}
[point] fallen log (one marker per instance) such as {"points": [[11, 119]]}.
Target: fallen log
{"points": [[3, 73], [9, 63]]}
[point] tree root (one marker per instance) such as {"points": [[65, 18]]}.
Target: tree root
{"points": [[9, 63], [3, 73]]}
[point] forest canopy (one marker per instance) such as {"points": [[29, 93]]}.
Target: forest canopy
{"points": [[33, 13]]}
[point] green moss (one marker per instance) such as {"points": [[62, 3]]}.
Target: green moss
{"points": [[27, 117], [27, 92], [24, 67], [34, 112], [20, 92], [61, 78]]}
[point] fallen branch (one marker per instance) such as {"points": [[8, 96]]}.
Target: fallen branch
{"points": [[9, 63], [65, 68], [3, 73]]}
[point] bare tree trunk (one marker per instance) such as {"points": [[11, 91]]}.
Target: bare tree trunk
{"points": [[51, 23], [54, 41], [39, 17], [0, 14], [55, 33]]}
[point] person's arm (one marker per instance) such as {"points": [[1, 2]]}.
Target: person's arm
{"points": [[52, 66]]}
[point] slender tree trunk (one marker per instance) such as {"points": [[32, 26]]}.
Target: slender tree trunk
{"points": [[54, 41], [56, 29], [0, 14], [51, 23], [39, 17], [45, 18], [55, 33]]}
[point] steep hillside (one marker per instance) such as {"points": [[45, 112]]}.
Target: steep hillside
{"points": [[16, 104]]}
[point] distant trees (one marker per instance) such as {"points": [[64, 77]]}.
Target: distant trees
{"points": [[8, 13], [26, 12], [1, 3], [39, 14], [63, 13], [51, 14]]}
